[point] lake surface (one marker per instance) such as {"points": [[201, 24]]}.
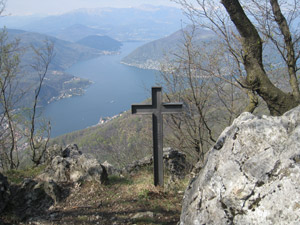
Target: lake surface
{"points": [[116, 87]]}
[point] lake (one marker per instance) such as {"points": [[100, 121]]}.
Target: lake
{"points": [[116, 87]]}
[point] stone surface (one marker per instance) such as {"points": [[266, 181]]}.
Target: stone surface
{"points": [[73, 166], [174, 162], [110, 169], [52, 152], [33, 198], [4, 192], [250, 176], [140, 215]]}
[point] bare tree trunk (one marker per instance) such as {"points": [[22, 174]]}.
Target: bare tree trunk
{"points": [[291, 60], [253, 102], [8, 66], [257, 80], [37, 144]]}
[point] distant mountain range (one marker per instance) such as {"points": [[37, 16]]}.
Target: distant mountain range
{"points": [[84, 34], [152, 54], [76, 32], [142, 23]]}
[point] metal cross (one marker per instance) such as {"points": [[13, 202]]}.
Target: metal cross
{"points": [[157, 109]]}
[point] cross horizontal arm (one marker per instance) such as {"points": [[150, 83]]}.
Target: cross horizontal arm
{"points": [[141, 109], [169, 108]]}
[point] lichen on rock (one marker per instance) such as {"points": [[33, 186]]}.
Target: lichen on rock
{"points": [[251, 176], [73, 166]]}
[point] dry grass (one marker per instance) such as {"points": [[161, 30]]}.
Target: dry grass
{"points": [[118, 203]]}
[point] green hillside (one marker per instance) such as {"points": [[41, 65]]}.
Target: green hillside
{"points": [[120, 140], [128, 137]]}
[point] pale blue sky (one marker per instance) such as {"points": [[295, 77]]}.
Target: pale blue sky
{"points": [[27, 7]]}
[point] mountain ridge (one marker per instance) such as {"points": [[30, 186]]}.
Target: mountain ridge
{"points": [[123, 24], [151, 55], [58, 84]]}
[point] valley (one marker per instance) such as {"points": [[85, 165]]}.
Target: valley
{"points": [[91, 37], [142, 23], [115, 87], [58, 83], [72, 151]]}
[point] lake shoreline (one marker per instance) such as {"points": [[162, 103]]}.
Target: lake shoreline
{"points": [[115, 87]]}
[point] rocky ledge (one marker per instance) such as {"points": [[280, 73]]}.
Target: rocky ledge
{"points": [[174, 163], [35, 196], [251, 175], [73, 166]]}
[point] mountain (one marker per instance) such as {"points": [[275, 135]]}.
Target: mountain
{"points": [[66, 53], [152, 54], [103, 43], [57, 84], [17, 22], [140, 23], [76, 32]]}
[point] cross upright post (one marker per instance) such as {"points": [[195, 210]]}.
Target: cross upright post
{"points": [[157, 109]]}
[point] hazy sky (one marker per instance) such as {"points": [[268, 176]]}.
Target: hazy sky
{"points": [[23, 7]]}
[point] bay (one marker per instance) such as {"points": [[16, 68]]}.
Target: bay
{"points": [[115, 88]]}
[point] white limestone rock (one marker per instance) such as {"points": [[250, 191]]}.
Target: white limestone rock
{"points": [[73, 166], [250, 176]]}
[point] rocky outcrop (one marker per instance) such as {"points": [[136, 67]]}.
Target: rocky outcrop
{"points": [[250, 176], [110, 169], [33, 198], [52, 152], [4, 192], [73, 166], [174, 161]]}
